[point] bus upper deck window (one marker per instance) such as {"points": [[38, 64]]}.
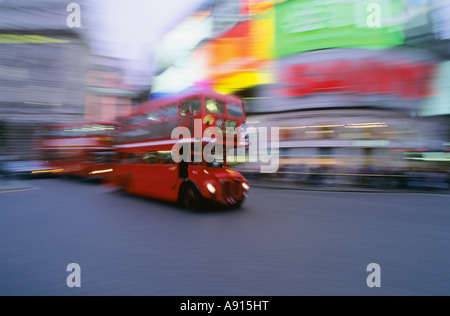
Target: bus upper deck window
{"points": [[154, 117], [235, 110], [215, 107], [191, 107], [169, 111]]}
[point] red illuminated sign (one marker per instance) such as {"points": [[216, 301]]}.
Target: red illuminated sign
{"points": [[407, 79]]}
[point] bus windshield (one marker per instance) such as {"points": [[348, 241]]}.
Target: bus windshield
{"points": [[215, 162]]}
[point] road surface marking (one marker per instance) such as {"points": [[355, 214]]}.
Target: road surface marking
{"points": [[17, 190]]}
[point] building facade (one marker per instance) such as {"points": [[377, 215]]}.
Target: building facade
{"points": [[42, 70], [109, 92]]}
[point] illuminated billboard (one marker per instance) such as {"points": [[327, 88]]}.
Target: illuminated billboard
{"points": [[408, 80], [348, 77], [190, 72], [260, 6], [242, 57], [307, 25], [181, 41]]}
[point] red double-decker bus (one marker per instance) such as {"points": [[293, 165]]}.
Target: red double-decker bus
{"points": [[145, 151], [82, 149]]}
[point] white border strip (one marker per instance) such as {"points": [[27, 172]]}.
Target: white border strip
{"points": [[165, 142]]}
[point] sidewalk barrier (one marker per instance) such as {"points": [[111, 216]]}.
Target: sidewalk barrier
{"points": [[408, 182]]}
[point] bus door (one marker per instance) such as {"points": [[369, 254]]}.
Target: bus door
{"points": [[166, 177], [183, 172]]}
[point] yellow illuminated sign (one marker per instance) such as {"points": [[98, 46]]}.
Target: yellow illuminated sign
{"points": [[260, 6], [244, 62], [240, 81], [262, 37]]}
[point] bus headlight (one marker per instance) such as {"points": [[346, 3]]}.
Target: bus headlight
{"points": [[211, 188], [245, 186]]}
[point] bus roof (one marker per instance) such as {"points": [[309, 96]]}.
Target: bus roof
{"points": [[79, 124], [162, 103]]}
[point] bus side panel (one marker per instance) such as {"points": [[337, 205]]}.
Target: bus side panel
{"points": [[153, 181], [164, 182]]}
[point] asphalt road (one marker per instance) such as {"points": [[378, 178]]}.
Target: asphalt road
{"points": [[281, 242]]}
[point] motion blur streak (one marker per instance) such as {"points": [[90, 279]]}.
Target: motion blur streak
{"points": [[48, 171], [102, 171]]}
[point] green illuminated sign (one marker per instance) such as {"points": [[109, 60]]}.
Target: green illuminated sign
{"points": [[29, 39], [306, 25]]}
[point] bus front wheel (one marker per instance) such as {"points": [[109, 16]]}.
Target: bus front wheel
{"points": [[190, 197], [238, 205]]}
